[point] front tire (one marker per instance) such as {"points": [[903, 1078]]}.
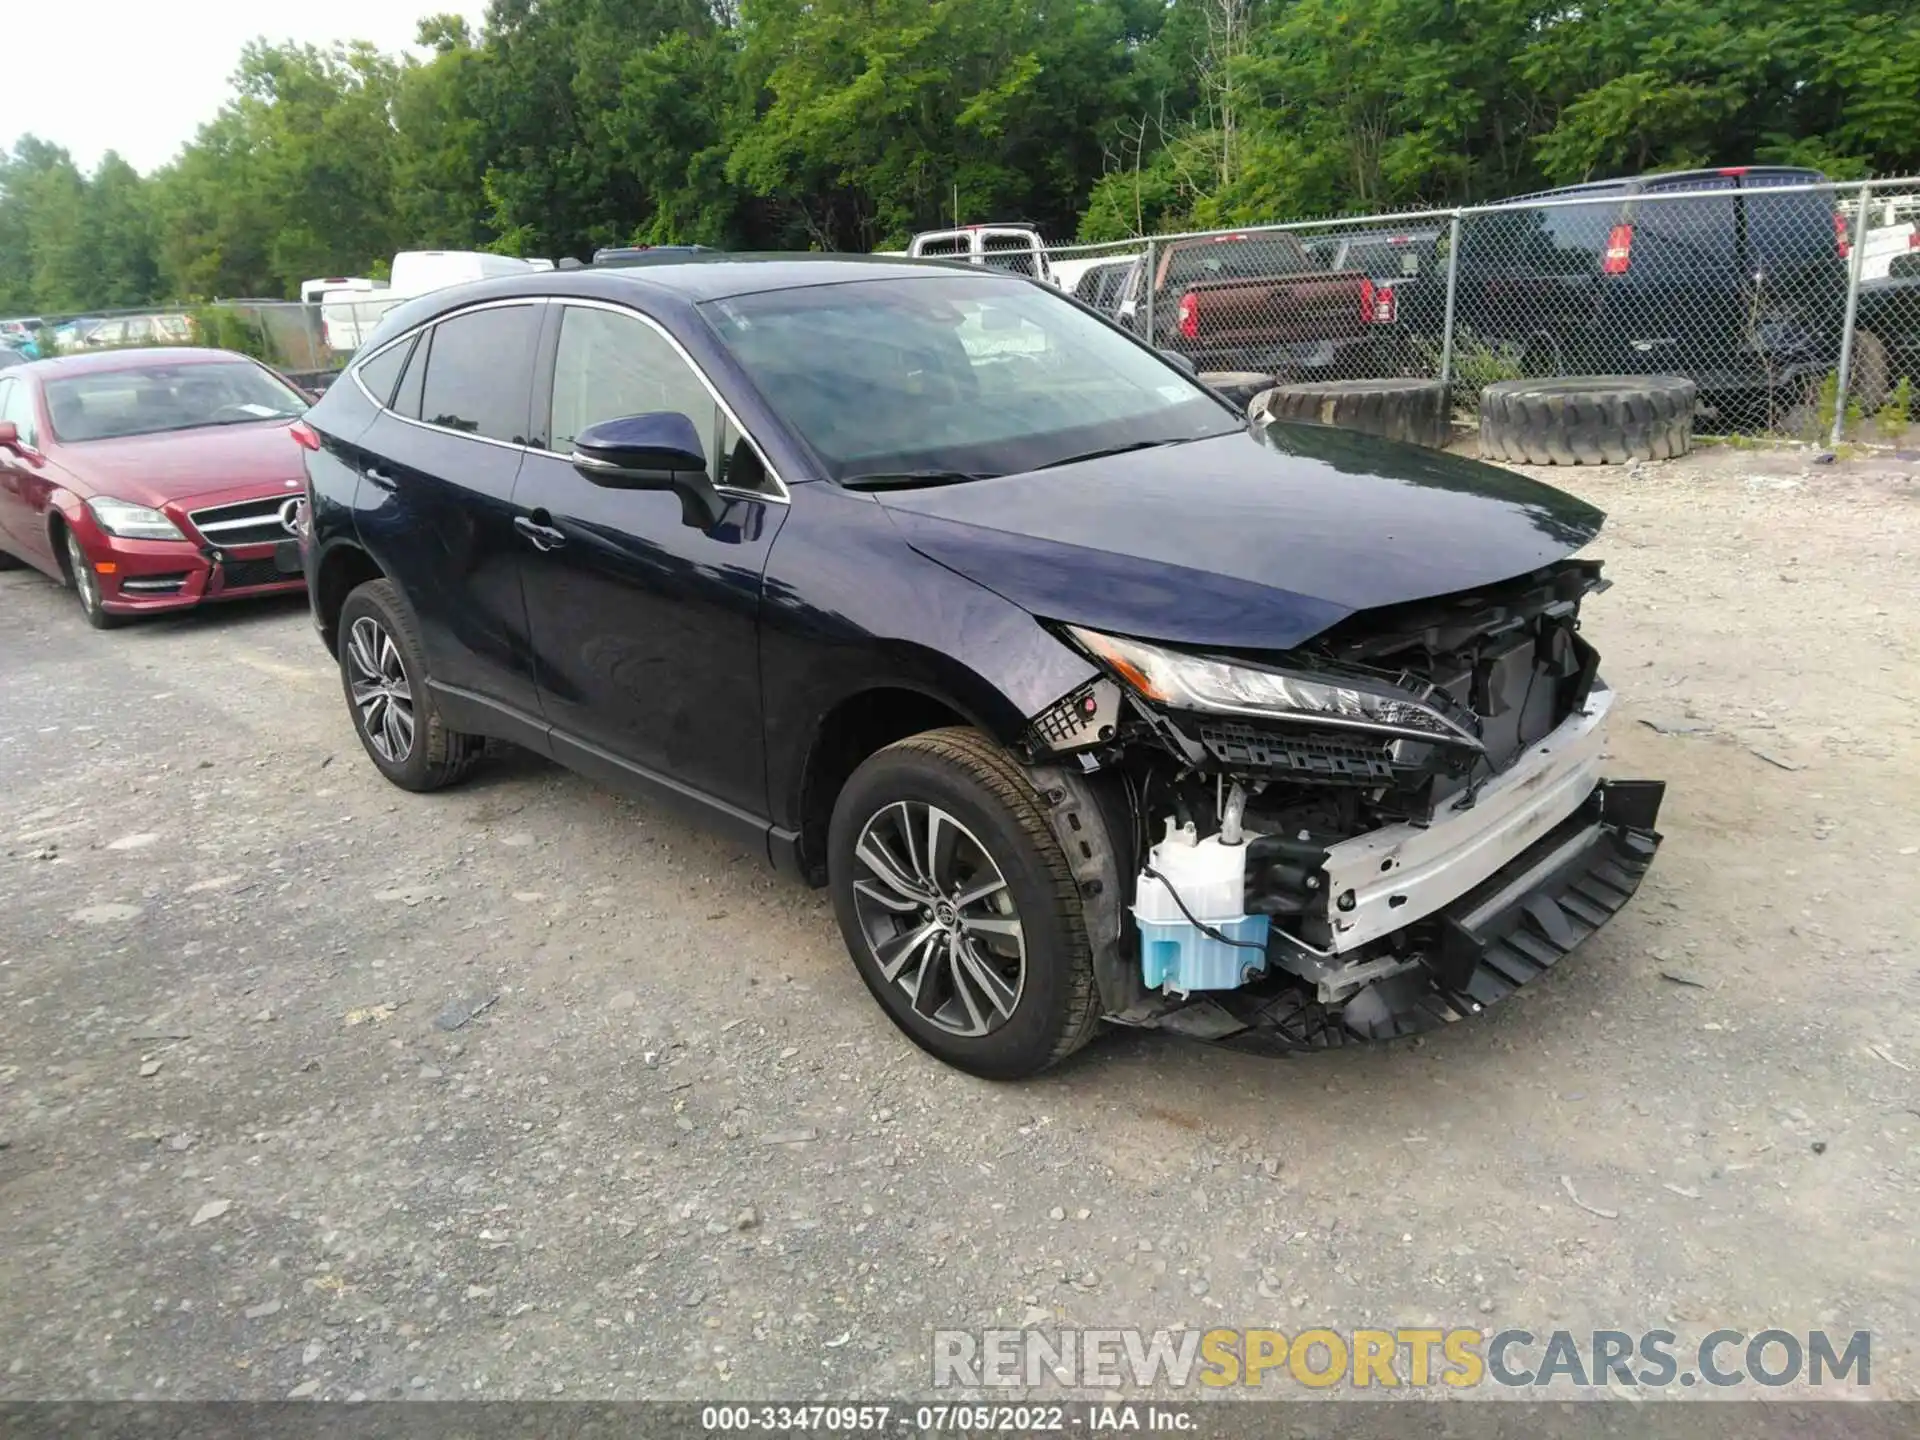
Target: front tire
{"points": [[383, 671], [86, 584], [959, 907]]}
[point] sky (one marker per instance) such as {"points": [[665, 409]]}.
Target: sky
{"points": [[141, 76]]}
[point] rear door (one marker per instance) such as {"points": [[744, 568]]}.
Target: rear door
{"points": [[1799, 274], [1681, 305], [437, 477]]}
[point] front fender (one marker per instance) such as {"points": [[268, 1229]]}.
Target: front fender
{"points": [[71, 510], [849, 607]]}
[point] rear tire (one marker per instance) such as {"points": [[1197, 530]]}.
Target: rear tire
{"points": [[1587, 419], [383, 672], [1870, 375], [1416, 411], [946, 815]]}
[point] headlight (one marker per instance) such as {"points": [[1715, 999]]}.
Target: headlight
{"points": [[132, 522], [1193, 682]]}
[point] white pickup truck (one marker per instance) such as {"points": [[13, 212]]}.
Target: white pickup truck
{"points": [[1893, 229], [1018, 248]]}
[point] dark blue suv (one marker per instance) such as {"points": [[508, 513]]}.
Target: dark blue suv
{"points": [[931, 585]]}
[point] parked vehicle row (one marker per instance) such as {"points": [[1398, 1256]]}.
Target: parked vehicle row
{"points": [[1735, 277]]}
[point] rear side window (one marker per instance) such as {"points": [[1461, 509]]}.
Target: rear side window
{"points": [[479, 373], [406, 400], [1009, 252], [1386, 257], [1695, 232], [1568, 238], [380, 373], [1789, 229]]}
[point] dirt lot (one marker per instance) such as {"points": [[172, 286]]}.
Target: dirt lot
{"points": [[681, 1153]]}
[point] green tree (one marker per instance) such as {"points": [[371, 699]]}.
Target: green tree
{"points": [[120, 220], [562, 125]]}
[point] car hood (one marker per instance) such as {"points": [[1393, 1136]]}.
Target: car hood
{"points": [[1255, 540], [154, 469]]}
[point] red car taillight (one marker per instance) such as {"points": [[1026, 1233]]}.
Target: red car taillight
{"points": [[1189, 316], [1842, 237], [1378, 304], [304, 435], [1619, 251], [1366, 301]]}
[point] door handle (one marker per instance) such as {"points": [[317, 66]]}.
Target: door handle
{"points": [[543, 537], [379, 477]]}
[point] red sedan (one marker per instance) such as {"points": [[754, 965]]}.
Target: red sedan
{"points": [[152, 480]]}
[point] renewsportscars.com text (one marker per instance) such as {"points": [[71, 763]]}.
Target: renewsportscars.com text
{"points": [[1460, 1358]]}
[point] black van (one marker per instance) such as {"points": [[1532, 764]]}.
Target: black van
{"points": [[1740, 285]]}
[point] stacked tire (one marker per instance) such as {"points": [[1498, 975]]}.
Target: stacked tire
{"points": [[1587, 419], [1415, 411]]}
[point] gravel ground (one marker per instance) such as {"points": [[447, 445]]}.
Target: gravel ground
{"points": [[672, 1148]]}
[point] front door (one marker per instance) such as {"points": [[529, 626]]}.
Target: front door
{"points": [[645, 628]]}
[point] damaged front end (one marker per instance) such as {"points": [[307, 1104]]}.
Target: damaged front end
{"points": [[1388, 828]]}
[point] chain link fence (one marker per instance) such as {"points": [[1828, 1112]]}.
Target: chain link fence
{"points": [[1793, 306]]}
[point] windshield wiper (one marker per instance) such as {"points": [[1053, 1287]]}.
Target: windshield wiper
{"points": [[909, 479], [1111, 450]]}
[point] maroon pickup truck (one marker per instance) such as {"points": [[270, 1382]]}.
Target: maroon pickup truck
{"points": [[1258, 302]]}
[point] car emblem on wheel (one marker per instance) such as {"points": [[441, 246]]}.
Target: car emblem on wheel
{"points": [[293, 517]]}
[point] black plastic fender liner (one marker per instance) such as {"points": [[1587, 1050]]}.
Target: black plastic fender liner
{"points": [[1092, 819], [1587, 419]]}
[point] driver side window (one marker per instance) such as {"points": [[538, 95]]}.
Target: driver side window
{"points": [[610, 365]]}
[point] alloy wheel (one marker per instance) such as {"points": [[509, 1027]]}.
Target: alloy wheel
{"points": [[939, 919], [85, 581], [382, 695]]}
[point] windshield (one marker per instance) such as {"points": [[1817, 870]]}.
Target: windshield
{"points": [[1384, 259], [154, 398], [963, 374]]}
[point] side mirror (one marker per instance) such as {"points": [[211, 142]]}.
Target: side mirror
{"points": [[1181, 362], [658, 451]]}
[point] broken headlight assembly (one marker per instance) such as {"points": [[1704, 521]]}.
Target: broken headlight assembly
{"points": [[1216, 686]]}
